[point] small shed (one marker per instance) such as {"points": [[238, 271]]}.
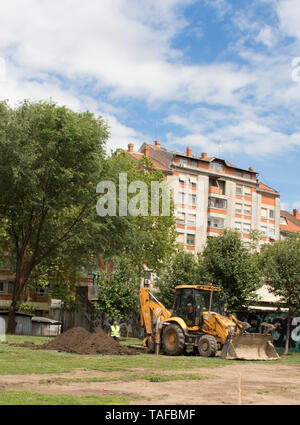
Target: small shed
{"points": [[24, 323], [43, 326]]}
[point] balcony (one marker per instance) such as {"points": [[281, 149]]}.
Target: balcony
{"points": [[217, 203], [214, 189]]}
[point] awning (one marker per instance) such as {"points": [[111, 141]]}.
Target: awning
{"points": [[257, 307]]}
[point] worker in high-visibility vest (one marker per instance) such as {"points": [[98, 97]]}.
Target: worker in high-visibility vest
{"points": [[115, 331]]}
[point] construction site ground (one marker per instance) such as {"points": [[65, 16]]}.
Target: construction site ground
{"points": [[30, 376]]}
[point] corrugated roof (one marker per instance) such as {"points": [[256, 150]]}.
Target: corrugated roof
{"points": [[45, 320]]}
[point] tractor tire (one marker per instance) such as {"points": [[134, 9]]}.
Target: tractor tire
{"points": [[173, 340], [207, 346]]}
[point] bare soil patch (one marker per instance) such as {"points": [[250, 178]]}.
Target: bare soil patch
{"points": [[263, 383], [80, 341]]}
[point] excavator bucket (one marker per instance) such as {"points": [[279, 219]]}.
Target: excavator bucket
{"points": [[250, 347]]}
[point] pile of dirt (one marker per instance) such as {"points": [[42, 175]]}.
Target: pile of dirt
{"points": [[80, 341]]}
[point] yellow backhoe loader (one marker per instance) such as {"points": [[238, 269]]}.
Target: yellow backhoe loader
{"points": [[197, 321]]}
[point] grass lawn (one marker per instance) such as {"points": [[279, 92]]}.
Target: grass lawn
{"points": [[28, 398], [20, 360], [23, 361], [129, 377]]}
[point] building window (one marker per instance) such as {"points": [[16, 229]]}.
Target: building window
{"points": [[191, 219], [218, 203], [238, 208], [217, 223], [247, 191], [181, 218], [193, 163], [283, 221], [239, 173], [246, 228], [221, 187], [10, 287], [271, 214], [264, 213], [190, 239], [1, 287], [247, 176], [213, 182], [180, 238], [216, 166], [238, 225], [192, 200], [247, 211], [183, 162], [42, 291], [239, 190], [181, 198], [271, 233], [263, 230]]}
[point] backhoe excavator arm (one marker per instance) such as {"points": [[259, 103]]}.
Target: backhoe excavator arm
{"points": [[149, 307]]}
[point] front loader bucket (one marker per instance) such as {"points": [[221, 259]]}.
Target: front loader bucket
{"points": [[250, 347]]}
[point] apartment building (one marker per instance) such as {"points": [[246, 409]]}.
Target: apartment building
{"points": [[289, 223], [38, 298], [211, 194]]}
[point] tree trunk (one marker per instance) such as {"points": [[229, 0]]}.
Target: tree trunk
{"points": [[288, 328], [12, 323], [21, 279]]}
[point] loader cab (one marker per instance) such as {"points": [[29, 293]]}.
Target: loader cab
{"points": [[192, 301]]}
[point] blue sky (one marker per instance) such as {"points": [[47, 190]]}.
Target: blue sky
{"points": [[218, 75]]}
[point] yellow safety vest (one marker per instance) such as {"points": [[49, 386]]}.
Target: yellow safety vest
{"points": [[115, 330]]}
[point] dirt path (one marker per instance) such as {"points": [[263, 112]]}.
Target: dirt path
{"points": [[260, 384]]}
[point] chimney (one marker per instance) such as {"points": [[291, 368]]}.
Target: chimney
{"points": [[146, 151], [157, 143], [130, 147], [251, 169], [296, 214], [189, 151], [204, 155]]}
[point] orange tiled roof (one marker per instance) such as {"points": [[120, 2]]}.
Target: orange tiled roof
{"points": [[159, 148], [266, 188], [156, 164], [293, 223]]}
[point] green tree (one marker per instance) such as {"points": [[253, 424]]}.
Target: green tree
{"points": [[146, 240], [227, 263], [280, 263], [181, 270], [118, 290], [50, 158]]}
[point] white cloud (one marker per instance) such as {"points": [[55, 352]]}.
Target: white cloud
{"points": [[222, 7], [267, 36], [290, 206], [288, 12], [71, 51], [123, 46], [233, 131], [121, 135], [16, 89]]}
